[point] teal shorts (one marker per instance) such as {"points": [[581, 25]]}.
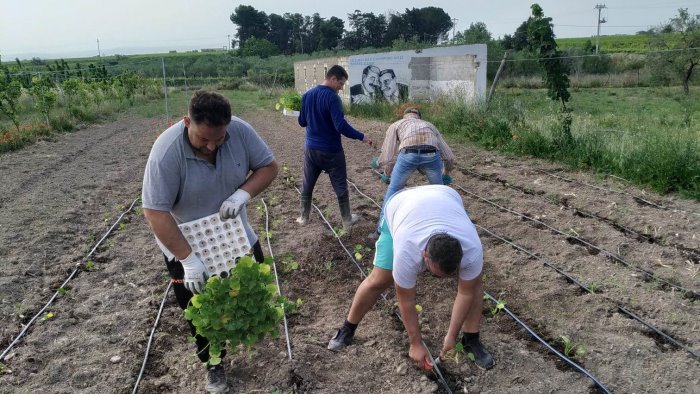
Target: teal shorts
{"points": [[384, 249]]}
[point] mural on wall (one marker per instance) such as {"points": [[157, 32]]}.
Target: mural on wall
{"points": [[378, 85], [418, 75]]}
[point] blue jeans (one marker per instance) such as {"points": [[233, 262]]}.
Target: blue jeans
{"points": [[428, 163]]}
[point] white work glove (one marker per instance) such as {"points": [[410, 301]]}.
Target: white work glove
{"points": [[195, 273], [232, 206]]}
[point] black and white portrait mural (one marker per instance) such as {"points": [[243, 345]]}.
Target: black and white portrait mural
{"points": [[378, 85], [396, 77]]}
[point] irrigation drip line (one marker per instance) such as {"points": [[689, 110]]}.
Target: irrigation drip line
{"points": [[150, 337], [581, 212], [277, 281], [548, 346], [611, 255], [640, 199], [436, 368], [68, 279], [571, 279]]}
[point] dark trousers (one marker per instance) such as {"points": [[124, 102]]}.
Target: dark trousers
{"points": [[333, 163], [183, 296]]}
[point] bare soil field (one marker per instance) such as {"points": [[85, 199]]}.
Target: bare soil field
{"points": [[637, 252]]}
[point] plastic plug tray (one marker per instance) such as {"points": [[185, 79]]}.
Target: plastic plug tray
{"points": [[219, 243]]}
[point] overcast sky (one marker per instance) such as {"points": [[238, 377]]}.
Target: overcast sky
{"points": [[69, 28]]}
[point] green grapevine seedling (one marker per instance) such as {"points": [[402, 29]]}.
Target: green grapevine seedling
{"points": [[571, 349], [122, 226], [242, 308], [499, 305], [48, 315], [90, 265], [456, 353]]}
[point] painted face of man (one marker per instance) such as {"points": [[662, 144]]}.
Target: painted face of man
{"points": [[370, 81], [205, 139], [388, 83]]}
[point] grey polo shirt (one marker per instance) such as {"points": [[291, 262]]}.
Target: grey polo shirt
{"points": [[189, 187]]}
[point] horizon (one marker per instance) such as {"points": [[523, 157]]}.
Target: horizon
{"points": [[130, 27]]}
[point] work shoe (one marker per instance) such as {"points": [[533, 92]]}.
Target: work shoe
{"points": [[482, 357], [341, 339], [216, 379]]}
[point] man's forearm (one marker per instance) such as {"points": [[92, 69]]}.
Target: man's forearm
{"points": [[407, 307], [460, 309], [165, 229], [260, 179]]}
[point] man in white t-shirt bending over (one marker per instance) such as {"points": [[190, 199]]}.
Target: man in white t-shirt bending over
{"points": [[425, 227]]}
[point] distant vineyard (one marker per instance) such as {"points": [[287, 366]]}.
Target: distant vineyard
{"points": [[614, 44]]}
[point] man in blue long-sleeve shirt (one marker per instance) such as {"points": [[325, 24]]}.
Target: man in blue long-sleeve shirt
{"points": [[322, 115]]}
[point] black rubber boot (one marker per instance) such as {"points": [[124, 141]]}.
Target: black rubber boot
{"points": [[482, 357], [348, 217], [305, 209]]}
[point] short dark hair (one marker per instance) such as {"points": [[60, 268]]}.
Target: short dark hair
{"points": [[337, 71], [388, 71], [209, 108], [445, 251]]}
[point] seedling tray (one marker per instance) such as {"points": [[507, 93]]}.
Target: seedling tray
{"points": [[219, 243]]}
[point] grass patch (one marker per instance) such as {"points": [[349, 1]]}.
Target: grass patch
{"points": [[650, 136]]}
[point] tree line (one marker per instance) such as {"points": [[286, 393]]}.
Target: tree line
{"points": [[259, 33]]}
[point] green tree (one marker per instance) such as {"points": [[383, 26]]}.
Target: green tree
{"points": [[429, 24], [251, 23], [518, 41], [10, 92], [280, 32], [541, 41], [477, 33], [331, 32], [259, 47], [368, 30], [44, 93], [686, 56]]}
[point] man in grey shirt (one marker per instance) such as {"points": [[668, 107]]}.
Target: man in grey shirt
{"points": [[197, 167]]}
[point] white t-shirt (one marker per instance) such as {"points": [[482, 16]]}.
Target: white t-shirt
{"points": [[413, 215]]}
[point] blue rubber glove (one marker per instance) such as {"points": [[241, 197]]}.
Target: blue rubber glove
{"points": [[374, 164], [446, 179], [386, 179]]}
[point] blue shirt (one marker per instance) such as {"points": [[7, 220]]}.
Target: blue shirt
{"points": [[322, 115]]}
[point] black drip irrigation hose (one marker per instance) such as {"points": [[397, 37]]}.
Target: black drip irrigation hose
{"points": [[547, 345], [68, 279], [640, 199], [150, 338], [436, 369], [571, 279], [279, 290], [581, 212], [550, 347], [611, 255]]}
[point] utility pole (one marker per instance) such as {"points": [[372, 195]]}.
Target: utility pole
{"points": [[599, 7], [454, 24], [99, 54], [229, 42]]}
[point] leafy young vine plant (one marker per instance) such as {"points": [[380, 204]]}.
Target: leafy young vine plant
{"points": [[241, 309]]}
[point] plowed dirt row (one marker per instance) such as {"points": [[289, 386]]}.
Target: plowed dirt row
{"points": [[61, 195]]}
